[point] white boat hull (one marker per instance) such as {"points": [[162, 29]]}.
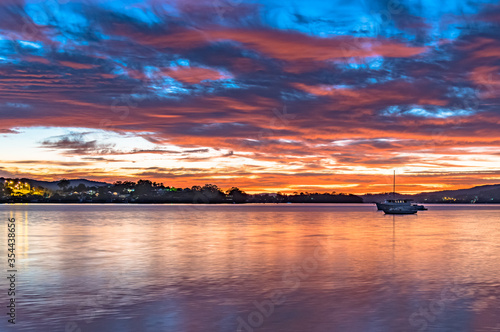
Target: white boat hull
{"points": [[400, 210]]}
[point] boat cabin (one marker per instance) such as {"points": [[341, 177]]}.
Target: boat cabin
{"points": [[399, 201]]}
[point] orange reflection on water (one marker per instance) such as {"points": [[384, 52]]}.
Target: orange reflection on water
{"points": [[213, 262]]}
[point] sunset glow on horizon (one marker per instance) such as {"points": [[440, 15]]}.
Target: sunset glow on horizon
{"points": [[267, 96]]}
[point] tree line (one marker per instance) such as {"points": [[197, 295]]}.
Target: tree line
{"points": [[146, 191]]}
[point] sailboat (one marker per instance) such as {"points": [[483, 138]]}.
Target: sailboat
{"points": [[398, 206]]}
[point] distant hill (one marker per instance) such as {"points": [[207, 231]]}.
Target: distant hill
{"points": [[479, 194], [52, 185]]}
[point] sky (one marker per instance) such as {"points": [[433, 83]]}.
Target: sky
{"points": [[268, 96]]}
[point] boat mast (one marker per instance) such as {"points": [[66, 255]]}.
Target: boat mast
{"points": [[394, 186]]}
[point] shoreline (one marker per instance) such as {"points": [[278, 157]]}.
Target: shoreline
{"points": [[229, 203]]}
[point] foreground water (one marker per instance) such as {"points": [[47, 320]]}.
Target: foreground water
{"points": [[252, 268]]}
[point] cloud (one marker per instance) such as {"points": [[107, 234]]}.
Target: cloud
{"points": [[76, 65], [75, 144], [8, 131], [266, 89], [49, 162]]}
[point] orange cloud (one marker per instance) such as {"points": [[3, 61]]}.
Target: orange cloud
{"points": [[76, 65], [284, 45], [193, 75]]}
